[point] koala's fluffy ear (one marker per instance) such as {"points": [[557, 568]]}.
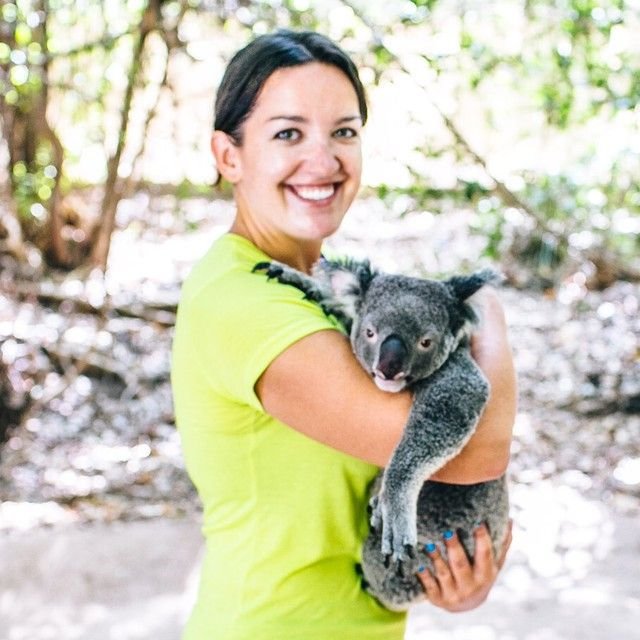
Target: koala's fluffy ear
{"points": [[348, 280], [465, 286]]}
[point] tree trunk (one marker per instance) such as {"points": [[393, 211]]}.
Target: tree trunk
{"points": [[10, 230], [151, 18], [24, 128], [57, 251]]}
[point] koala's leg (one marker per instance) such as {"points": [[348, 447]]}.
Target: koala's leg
{"points": [[394, 508], [394, 516], [445, 412], [312, 289]]}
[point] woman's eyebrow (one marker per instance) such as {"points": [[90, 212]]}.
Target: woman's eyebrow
{"points": [[348, 119], [293, 118], [302, 119]]}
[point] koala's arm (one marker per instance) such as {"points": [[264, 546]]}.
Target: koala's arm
{"points": [[486, 455], [317, 387]]}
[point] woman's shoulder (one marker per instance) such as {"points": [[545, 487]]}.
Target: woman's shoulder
{"points": [[223, 278], [223, 283], [228, 263]]}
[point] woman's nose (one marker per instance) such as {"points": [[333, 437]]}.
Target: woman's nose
{"points": [[322, 158]]}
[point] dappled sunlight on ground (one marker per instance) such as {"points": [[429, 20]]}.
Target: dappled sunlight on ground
{"points": [[558, 532], [125, 581]]}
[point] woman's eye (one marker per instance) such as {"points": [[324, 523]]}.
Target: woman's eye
{"points": [[288, 134], [346, 132]]}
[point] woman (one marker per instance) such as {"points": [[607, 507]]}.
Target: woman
{"points": [[282, 431]]}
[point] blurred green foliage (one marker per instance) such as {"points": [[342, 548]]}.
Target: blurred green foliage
{"points": [[579, 60], [571, 68], [21, 82]]}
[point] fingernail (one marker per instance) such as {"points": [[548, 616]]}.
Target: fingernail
{"points": [[430, 548], [447, 535], [421, 568]]}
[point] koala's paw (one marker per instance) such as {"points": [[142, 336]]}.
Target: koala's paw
{"points": [[398, 535]]}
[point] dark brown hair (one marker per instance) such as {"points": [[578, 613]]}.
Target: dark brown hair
{"points": [[250, 68]]}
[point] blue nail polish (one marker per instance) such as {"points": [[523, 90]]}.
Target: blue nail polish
{"points": [[447, 535], [430, 548], [421, 568]]}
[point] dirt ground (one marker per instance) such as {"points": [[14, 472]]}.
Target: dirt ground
{"points": [[137, 580]]}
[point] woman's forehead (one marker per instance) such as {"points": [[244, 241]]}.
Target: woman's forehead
{"points": [[291, 91]]}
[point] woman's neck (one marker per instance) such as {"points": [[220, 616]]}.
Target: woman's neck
{"points": [[299, 254]]}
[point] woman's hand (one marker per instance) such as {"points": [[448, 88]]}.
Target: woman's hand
{"points": [[460, 585]]}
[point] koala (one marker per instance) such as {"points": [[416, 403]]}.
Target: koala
{"points": [[413, 333]]}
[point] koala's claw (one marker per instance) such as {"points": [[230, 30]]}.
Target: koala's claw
{"points": [[397, 543], [376, 519], [272, 270]]}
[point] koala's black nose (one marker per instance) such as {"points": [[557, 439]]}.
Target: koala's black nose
{"points": [[393, 353]]}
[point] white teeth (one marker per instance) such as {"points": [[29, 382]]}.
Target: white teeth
{"points": [[315, 193]]}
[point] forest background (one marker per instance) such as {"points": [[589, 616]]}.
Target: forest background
{"points": [[504, 132]]}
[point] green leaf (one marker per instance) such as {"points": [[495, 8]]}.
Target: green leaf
{"points": [[22, 34]]}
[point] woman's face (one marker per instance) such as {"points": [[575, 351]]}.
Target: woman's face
{"points": [[299, 164]]}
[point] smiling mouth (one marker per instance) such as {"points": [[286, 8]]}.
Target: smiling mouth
{"points": [[314, 194]]}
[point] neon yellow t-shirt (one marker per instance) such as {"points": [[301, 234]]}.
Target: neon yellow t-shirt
{"points": [[284, 516]]}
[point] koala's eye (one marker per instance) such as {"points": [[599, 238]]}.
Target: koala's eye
{"points": [[425, 343], [370, 333]]}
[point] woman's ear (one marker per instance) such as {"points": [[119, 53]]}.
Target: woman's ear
{"points": [[227, 156]]}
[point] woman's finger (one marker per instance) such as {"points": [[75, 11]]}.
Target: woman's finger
{"points": [[484, 564], [506, 544], [442, 572], [459, 564], [431, 586]]}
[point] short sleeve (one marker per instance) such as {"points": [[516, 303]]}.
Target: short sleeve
{"points": [[240, 323]]}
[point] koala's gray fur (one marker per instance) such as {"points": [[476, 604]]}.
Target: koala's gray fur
{"points": [[414, 333]]}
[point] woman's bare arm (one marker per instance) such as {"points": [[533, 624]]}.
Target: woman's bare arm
{"points": [[317, 387]]}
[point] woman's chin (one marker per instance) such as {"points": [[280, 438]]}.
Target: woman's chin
{"points": [[318, 227]]}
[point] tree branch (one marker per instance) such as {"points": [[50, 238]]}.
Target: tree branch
{"points": [[160, 313], [103, 43], [506, 194]]}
